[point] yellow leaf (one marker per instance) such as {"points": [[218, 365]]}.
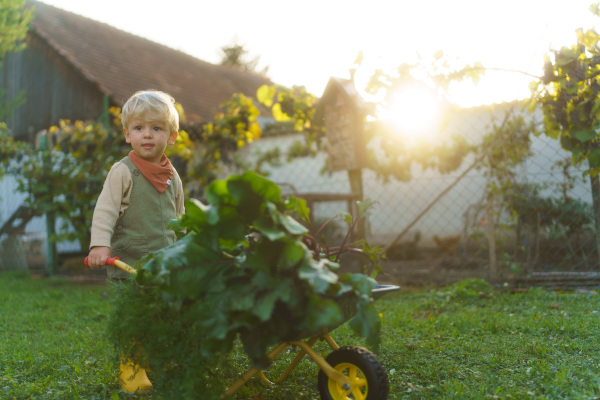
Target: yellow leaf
{"points": [[180, 111], [265, 94], [588, 39], [255, 130], [279, 115], [299, 125]]}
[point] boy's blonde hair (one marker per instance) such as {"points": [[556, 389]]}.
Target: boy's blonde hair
{"points": [[151, 105]]}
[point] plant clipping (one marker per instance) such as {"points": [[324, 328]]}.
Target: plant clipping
{"points": [[244, 269]]}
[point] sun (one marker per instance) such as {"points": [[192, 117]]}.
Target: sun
{"points": [[413, 111]]}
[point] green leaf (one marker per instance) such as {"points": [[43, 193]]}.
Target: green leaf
{"points": [[298, 205], [367, 323], [568, 143], [264, 305], [361, 284], [267, 226], [195, 213], [364, 205], [217, 192], [291, 254], [250, 202], [317, 275], [347, 217], [566, 56], [322, 313], [584, 135], [291, 225], [255, 345], [594, 158]]}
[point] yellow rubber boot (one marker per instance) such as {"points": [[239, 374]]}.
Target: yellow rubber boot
{"points": [[133, 378]]}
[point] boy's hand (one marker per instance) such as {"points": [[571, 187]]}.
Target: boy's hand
{"points": [[97, 257]]}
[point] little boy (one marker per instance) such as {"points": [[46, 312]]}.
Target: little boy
{"points": [[143, 191]]}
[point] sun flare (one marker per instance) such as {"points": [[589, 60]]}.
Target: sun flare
{"points": [[413, 111]]}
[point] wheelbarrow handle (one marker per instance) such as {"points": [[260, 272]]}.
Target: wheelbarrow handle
{"points": [[114, 261]]}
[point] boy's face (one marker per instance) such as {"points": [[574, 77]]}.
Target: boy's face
{"points": [[149, 139]]}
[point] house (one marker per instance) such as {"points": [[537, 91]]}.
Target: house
{"points": [[75, 67]]}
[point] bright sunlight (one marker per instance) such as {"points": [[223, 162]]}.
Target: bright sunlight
{"points": [[413, 111]]}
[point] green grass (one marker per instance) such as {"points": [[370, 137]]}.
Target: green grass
{"points": [[465, 341]]}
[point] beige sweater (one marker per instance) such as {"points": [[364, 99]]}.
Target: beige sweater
{"points": [[114, 200]]}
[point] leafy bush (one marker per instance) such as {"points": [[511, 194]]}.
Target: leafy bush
{"points": [[467, 291], [66, 177], [245, 269]]}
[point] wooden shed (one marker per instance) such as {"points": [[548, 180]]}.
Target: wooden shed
{"points": [[75, 67]]}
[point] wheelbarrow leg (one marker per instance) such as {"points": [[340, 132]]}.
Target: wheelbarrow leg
{"points": [[290, 368], [324, 365], [248, 375], [330, 341], [296, 361]]}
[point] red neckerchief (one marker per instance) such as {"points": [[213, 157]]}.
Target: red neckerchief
{"points": [[159, 175]]}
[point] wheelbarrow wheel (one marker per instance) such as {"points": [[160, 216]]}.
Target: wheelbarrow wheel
{"points": [[367, 376]]}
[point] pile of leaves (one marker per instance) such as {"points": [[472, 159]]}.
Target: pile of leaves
{"points": [[245, 269]]}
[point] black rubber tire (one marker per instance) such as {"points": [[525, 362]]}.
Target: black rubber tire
{"points": [[372, 370]]}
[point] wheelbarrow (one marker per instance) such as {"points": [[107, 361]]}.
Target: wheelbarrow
{"points": [[348, 372]]}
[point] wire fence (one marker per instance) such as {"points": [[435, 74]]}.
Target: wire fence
{"points": [[545, 222], [23, 236]]}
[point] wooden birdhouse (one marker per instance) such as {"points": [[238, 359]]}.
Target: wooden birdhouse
{"points": [[342, 111]]}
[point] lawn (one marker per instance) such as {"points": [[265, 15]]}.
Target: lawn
{"points": [[465, 341]]}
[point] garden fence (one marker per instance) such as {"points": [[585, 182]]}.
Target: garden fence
{"points": [[544, 222]]}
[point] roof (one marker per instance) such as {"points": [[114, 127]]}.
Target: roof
{"points": [[120, 63], [346, 88]]}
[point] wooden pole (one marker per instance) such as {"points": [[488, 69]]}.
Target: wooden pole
{"points": [[356, 186], [491, 236], [50, 222]]}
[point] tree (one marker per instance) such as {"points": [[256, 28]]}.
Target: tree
{"points": [[14, 24], [393, 156], [232, 128], [236, 55], [569, 96]]}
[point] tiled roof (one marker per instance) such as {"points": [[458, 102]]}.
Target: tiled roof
{"points": [[120, 63]]}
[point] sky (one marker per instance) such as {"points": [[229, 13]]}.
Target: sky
{"points": [[307, 42]]}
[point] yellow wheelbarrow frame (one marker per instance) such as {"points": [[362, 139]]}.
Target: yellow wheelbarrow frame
{"points": [[305, 348]]}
